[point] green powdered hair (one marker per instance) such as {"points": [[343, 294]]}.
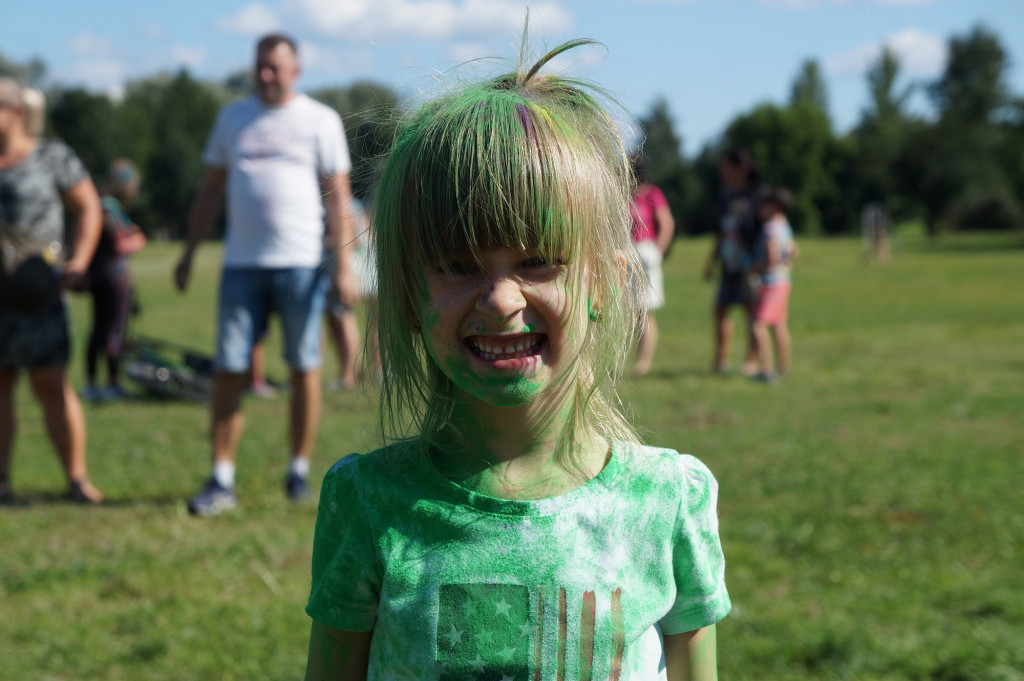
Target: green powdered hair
{"points": [[524, 159]]}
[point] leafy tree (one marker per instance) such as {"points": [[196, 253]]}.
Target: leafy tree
{"points": [[662, 149], [879, 141], [370, 113], [238, 84], [809, 88], [31, 72], [185, 112], [88, 123], [963, 173], [886, 104], [973, 87]]}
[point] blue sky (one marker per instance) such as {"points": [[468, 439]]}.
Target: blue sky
{"points": [[710, 59]]}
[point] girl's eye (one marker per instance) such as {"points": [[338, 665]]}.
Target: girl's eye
{"points": [[542, 261], [459, 268]]}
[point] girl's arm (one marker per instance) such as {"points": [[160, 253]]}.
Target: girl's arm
{"points": [[775, 254], [337, 655], [692, 656]]}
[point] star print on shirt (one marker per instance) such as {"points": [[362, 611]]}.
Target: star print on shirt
{"points": [[484, 632], [502, 608], [493, 632]]}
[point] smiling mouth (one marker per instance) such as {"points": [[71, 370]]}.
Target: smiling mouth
{"points": [[495, 348]]}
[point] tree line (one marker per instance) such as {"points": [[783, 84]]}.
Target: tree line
{"points": [[959, 168]]}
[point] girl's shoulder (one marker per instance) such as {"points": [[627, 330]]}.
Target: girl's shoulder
{"points": [[666, 469], [374, 468]]}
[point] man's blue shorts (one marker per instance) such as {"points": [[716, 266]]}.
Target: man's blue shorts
{"points": [[247, 297]]}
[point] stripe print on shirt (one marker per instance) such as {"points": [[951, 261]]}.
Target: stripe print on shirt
{"points": [[496, 632]]}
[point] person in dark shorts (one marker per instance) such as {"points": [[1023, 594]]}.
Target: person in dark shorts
{"points": [[37, 177], [735, 233]]}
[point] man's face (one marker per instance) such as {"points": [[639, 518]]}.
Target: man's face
{"points": [[277, 69]]}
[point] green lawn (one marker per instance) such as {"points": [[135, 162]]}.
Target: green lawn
{"points": [[871, 504]]}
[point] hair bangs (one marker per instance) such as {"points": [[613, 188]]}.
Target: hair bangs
{"points": [[491, 174]]}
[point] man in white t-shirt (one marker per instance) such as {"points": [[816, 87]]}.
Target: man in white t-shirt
{"points": [[284, 162]]}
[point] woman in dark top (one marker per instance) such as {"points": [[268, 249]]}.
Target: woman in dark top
{"points": [[109, 282], [37, 178]]}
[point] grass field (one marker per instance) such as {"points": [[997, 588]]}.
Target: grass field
{"points": [[871, 504]]}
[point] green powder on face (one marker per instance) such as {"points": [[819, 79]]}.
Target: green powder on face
{"points": [[430, 318], [511, 389]]}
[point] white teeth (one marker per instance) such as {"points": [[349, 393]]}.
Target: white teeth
{"points": [[497, 352]]}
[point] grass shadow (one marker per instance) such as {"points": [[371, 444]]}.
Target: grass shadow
{"points": [[33, 499]]}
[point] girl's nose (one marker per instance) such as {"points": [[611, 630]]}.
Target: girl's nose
{"points": [[502, 298]]}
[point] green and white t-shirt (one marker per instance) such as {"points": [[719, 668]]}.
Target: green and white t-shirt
{"points": [[457, 585]]}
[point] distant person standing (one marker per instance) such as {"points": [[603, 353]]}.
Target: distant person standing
{"points": [[37, 178], [341, 319], [653, 227], [109, 283], [776, 250], [875, 229], [284, 162], [735, 230]]}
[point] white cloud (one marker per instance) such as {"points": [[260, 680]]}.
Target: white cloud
{"points": [[805, 4], [921, 54], [426, 19], [188, 56], [253, 20], [90, 44]]}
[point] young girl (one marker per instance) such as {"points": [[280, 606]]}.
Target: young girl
{"points": [[523, 533], [777, 249]]}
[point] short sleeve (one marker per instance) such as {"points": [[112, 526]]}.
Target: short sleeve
{"points": [[65, 165], [216, 153], [697, 560], [332, 145], [346, 583], [657, 198]]}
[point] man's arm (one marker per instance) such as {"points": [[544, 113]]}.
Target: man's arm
{"points": [[200, 220], [692, 656], [340, 235], [337, 655], [83, 201]]}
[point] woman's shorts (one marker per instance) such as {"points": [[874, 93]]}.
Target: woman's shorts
{"points": [[650, 256], [773, 304], [36, 339]]}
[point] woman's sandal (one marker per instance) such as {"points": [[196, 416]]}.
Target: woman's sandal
{"points": [[83, 492]]}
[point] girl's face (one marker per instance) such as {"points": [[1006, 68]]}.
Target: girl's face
{"points": [[504, 329]]}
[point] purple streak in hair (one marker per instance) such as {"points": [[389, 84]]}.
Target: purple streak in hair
{"points": [[527, 121]]}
